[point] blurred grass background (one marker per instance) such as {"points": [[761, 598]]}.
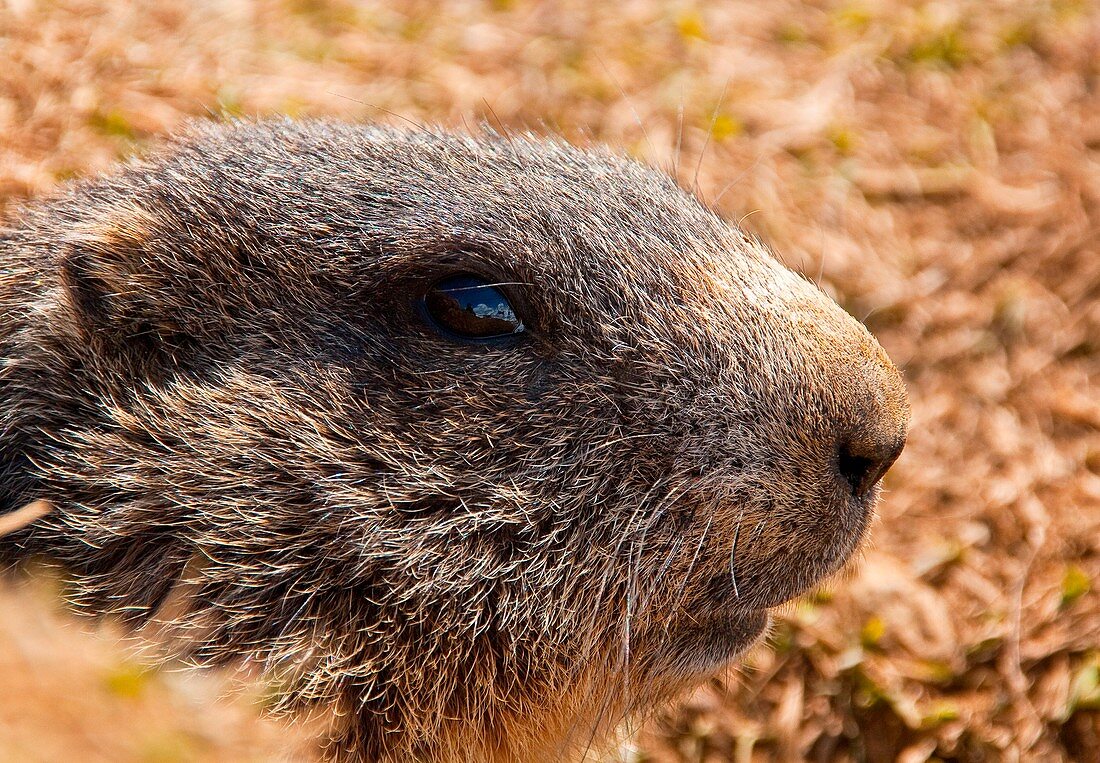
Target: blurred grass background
{"points": [[935, 166]]}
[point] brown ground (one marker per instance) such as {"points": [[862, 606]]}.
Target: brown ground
{"points": [[936, 166]]}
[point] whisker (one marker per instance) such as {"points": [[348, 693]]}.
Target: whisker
{"points": [[706, 142], [733, 553], [679, 137], [383, 109], [681, 592], [629, 103], [736, 180]]}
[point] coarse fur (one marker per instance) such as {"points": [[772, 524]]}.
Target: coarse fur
{"points": [[215, 369]]}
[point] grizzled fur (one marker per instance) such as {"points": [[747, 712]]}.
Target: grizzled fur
{"points": [[214, 367]]}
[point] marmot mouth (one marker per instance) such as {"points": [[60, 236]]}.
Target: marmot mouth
{"points": [[713, 641], [777, 577]]}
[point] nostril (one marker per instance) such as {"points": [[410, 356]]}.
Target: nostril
{"points": [[862, 464]]}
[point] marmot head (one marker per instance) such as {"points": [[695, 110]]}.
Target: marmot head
{"points": [[486, 440]]}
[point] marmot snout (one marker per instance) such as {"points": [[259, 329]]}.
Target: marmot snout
{"points": [[486, 442]]}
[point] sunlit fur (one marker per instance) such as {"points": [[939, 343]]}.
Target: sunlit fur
{"points": [[214, 368]]}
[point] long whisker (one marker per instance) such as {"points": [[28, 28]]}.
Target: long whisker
{"points": [[591, 626], [735, 181], [733, 552], [679, 137], [630, 104], [706, 142], [637, 603], [681, 592]]}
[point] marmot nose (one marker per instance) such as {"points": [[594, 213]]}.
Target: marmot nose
{"points": [[873, 419], [865, 456]]}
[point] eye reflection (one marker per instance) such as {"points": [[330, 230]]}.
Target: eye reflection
{"points": [[469, 307]]}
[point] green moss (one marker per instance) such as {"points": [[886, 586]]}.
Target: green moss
{"points": [[782, 637], [691, 26], [867, 693], [128, 681], [939, 713], [1064, 10], [872, 632], [946, 47], [1019, 34], [844, 139], [1084, 690], [112, 122], [328, 14], [1075, 584], [724, 126], [937, 672], [984, 651], [853, 16], [170, 747], [791, 33]]}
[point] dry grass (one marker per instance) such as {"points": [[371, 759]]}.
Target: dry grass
{"points": [[936, 165], [72, 694]]}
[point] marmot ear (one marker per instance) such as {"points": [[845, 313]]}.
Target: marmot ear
{"points": [[116, 295]]}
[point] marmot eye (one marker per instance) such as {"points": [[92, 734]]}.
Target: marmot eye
{"points": [[471, 308]]}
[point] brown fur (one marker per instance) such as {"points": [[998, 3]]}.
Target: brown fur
{"points": [[213, 369]]}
